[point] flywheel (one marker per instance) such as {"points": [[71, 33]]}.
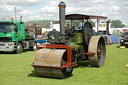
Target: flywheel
{"points": [[87, 32]]}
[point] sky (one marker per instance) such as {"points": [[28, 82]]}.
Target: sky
{"points": [[48, 9]]}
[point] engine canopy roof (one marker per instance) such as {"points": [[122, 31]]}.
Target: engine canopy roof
{"points": [[82, 16]]}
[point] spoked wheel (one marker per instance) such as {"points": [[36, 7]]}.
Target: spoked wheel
{"points": [[98, 47], [47, 58]]}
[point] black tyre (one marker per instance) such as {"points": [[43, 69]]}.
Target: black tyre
{"points": [[67, 72], [126, 46], [19, 48], [34, 47]]}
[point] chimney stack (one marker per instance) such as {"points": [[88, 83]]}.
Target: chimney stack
{"points": [[62, 7]]}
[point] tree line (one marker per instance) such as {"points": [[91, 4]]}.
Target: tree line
{"points": [[46, 23], [116, 24]]}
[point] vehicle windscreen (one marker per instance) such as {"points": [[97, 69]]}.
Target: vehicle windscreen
{"points": [[123, 35], [6, 27]]}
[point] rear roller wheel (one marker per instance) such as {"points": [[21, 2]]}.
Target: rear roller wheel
{"points": [[98, 47], [52, 58]]}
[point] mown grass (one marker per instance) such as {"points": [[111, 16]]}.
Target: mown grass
{"points": [[15, 69]]}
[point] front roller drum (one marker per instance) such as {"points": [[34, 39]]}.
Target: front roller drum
{"points": [[98, 48], [48, 62]]}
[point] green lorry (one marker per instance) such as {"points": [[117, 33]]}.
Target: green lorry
{"points": [[14, 37]]}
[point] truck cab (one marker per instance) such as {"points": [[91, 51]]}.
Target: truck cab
{"points": [[13, 36]]}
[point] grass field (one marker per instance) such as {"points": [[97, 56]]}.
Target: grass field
{"points": [[15, 69]]}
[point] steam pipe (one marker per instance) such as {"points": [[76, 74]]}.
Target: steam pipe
{"points": [[107, 27], [21, 18], [15, 14], [97, 26]]}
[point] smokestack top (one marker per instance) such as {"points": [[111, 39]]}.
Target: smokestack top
{"points": [[62, 5]]}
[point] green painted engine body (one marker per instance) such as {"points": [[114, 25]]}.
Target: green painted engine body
{"points": [[77, 41]]}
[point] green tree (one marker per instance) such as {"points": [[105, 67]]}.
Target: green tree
{"points": [[116, 24], [92, 23], [42, 23]]}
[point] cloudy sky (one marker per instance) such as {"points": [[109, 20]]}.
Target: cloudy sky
{"points": [[48, 9]]}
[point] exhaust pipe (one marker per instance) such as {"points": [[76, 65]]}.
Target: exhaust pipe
{"points": [[21, 18], [62, 7]]}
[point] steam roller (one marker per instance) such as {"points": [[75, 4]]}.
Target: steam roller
{"points": [[73, 44]]}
